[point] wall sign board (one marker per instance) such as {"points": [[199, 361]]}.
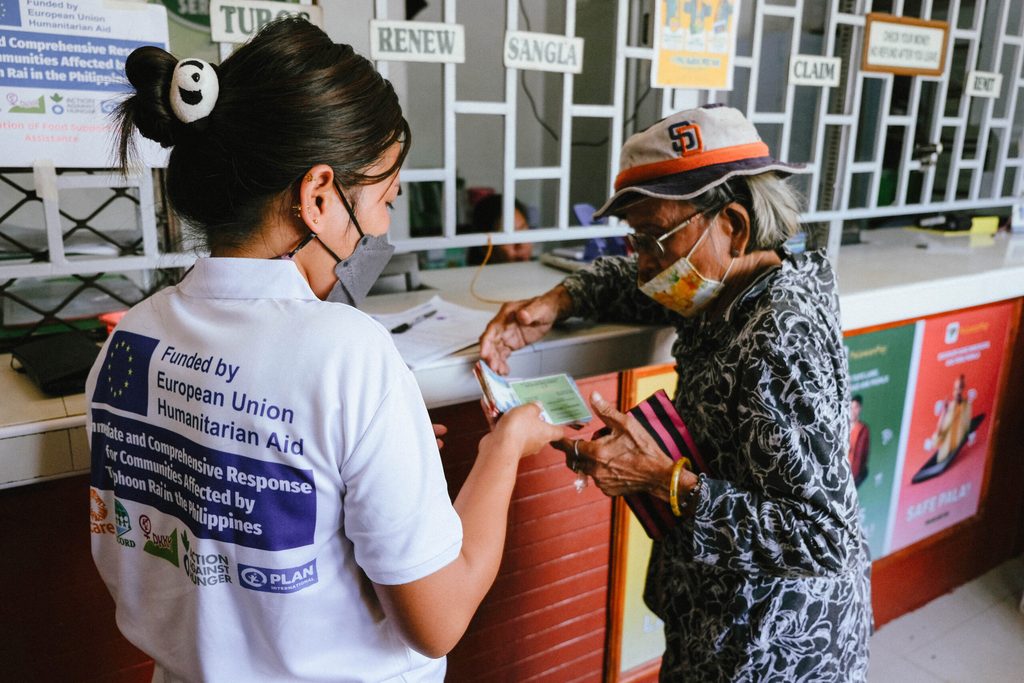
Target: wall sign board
{"points": [[984, 84], [813, 70], [235, 21], [904, 45], [543, 52], [417, 41]]}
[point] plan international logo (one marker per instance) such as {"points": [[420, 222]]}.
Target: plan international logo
{"points": [[10, 12], [124, 381]]}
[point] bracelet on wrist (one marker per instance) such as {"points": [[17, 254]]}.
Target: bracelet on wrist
{"points": [[673, 487]]}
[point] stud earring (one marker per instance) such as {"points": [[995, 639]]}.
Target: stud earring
{"points": [[314, 221], [297, 208], [309, 177]]}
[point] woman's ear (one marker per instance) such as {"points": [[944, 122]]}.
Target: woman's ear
{"points": [[738, 221], [317, 197]]}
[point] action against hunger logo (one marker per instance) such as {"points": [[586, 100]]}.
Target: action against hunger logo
{"points": [[124, 381], [10, 12]]}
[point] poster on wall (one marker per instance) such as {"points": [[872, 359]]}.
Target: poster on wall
{"points": [[694, 43], [880, 372], [62, 75], [951, 421]]}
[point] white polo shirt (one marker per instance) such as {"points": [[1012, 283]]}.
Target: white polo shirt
{"points": [[257, 454]]}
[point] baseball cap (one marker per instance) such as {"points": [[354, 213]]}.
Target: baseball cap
{"points": [[688, 153]]}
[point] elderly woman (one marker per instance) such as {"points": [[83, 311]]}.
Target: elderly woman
{"points": [[765, 575]]}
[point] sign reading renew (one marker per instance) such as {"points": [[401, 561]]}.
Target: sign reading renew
{"points": [[904, 45], [417, 41], [543, 52], [235, 21]]}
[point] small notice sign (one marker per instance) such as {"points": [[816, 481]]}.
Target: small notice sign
{"points": [[904, 45], [984, 84], [235, 21], [417, 41], [814, 70], [543, 52]]}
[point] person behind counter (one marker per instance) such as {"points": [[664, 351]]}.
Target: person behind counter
{"points": [[766, 575], [487, 218], [281, 511]]}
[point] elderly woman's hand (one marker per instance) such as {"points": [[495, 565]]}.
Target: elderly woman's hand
{"points": [[519, 323], [627, 460]]}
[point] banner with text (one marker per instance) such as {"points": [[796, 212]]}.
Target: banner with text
{"points": [[694, 44], [951, 420], [62, 75], [880, 369]]}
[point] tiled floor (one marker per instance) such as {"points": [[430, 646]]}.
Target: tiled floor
{"points": [[974, 634]]}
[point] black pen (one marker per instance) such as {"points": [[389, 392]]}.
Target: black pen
{"points": [[404, 327]]}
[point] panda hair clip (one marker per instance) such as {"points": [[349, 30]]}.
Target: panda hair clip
{"points": [[194, 90]]}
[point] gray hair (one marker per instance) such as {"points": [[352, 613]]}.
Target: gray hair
{"points": [[773, 205]]}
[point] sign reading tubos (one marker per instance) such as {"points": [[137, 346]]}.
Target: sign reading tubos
{"points": [[235, 21]]}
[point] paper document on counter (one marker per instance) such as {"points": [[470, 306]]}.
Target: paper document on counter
{"points": [[433, 330]]}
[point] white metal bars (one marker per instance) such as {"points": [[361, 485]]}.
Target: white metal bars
{"points": [[512, 172]]}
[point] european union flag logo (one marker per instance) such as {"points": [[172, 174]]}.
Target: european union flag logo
{"points": [[10, 12], [124, 380]]}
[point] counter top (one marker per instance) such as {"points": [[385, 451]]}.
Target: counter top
{"points": [[894, 275]]}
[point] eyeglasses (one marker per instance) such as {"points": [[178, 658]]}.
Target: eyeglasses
{"points": [[641, 242]]}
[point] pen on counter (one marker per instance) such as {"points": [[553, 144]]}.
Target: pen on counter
{"points": [[404, 327]]}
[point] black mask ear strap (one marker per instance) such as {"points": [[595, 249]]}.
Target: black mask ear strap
{"points": [[348, 207]]}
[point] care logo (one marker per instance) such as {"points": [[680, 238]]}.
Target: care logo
{"points": [[164, 546], [124, 524], [204, 569], [98, 522], [267, 580]]}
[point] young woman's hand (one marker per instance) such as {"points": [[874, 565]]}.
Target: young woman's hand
{"points": [[519, 323], [521, 431]]}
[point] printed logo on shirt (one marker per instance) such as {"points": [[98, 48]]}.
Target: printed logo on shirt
{"points": [[98, 522], [124, 380], [164, 546], [124, 524], [269, 580], [204, 569]]}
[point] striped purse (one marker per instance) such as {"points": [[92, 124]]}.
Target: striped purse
{"points": [[659, 417]]}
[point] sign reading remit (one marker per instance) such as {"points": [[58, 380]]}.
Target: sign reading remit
{"points": [[417, 41]]}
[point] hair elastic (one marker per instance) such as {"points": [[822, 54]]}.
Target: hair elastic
{"points": [[194, 89]]}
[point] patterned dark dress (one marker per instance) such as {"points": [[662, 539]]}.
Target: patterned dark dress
{"points": [[770, 581]]}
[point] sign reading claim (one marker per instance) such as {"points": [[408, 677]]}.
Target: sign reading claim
{"points": [[543, 52], [417, 41], [904, 45], [235, 21]]}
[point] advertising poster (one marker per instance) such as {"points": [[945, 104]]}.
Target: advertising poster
{"points": [[880, 367], [694, 43], [951, 421], [62, 75]]}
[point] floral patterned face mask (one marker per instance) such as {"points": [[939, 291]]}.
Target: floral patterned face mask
{"points": [[681, 288]]}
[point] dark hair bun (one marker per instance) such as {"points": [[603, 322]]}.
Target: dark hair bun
{"points": [[149, 71]]}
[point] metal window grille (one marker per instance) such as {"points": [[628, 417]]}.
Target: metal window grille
{"points": [[859, 139]]}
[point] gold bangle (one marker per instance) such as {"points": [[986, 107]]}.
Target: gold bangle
{"points": [[673, 489]]}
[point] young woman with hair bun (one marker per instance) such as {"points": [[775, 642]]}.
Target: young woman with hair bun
{"points": [[279, 510]]}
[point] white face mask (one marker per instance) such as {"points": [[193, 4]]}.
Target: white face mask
{"points": [[681, 288]]}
